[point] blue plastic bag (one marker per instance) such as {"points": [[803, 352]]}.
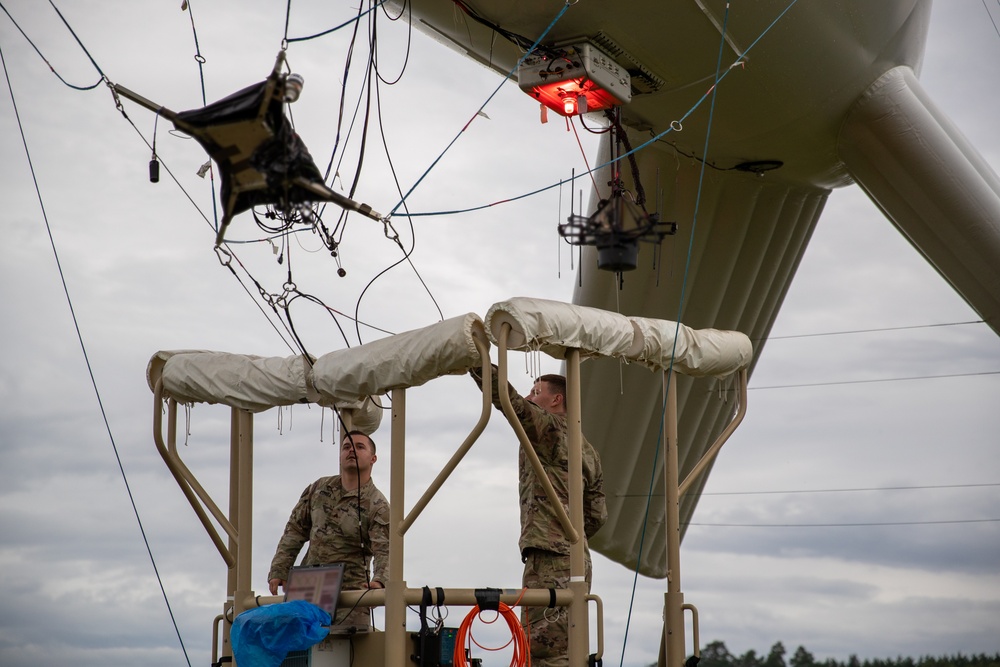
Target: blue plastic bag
{"points": [[262, 637]]}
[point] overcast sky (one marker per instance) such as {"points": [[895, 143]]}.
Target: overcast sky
{"points": [[885, 541]]}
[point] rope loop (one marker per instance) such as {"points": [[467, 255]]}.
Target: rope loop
{"points": [[225, 257]]}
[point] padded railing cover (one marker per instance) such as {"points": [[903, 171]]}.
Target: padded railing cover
{"points": [[554, 327], [348, 379], [404, 360]]}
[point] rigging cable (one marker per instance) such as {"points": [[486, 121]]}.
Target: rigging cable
{"points": [[363, 99], [676, 125], [857, 331], [433, 164], [331, 239], [343, 97], [840, 525], [86, 357], [899, 379], [876, 330], [227, 251], [988, 13], [395, 178], [200, 59], [872, 488], [583, 153], [372, 78], [338, 27], [125, 115], [687, 266], [409, 43], [668, 372], [290, 286], [45, 60], [850, 524], [645, 524], [71, 31]]}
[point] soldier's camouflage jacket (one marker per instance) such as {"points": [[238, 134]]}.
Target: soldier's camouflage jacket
{"points": [[326, 516], [540, 527]]}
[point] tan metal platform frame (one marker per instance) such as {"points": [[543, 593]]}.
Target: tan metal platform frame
{"points": [[392, 650]]}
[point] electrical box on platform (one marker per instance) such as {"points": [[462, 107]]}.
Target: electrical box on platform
{"points": [[362, 648], [434, 649]]}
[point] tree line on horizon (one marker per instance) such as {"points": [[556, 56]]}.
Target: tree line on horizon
{"points": [[715, 654]]}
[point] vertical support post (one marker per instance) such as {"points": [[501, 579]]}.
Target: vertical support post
{"points": [[579, 625], [234, 491], [395, 602], [244, 513], [673, 600], [229, 612]]}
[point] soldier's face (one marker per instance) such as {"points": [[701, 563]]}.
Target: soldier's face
{"points": [[356, 453], [543, 396]]}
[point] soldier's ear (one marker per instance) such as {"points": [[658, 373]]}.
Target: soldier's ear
{"points": [[374, 458]]}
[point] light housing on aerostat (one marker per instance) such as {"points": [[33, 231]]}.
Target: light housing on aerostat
{"points": [[575, 79]]}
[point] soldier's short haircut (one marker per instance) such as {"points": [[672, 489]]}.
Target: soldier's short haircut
{"points": [[557, 382], [356, 432]]}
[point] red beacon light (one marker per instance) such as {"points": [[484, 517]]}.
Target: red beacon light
{"points": [[575, 80]]}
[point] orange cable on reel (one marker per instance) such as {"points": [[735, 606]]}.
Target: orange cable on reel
{"points": [[521, 656]]}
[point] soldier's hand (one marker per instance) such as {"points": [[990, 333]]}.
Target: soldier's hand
{"points": [[274, 583]]}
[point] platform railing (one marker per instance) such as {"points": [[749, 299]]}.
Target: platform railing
{"points": [[394, 644]]}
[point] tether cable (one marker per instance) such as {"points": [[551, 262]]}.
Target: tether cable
{"points": [[45, 60], [86, 356]]}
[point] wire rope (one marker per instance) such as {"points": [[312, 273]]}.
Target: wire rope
{"points": [[899, 379], [840, 525], [86, 359], [395, 178], [228, 249], [709, 94], [872, 488], [200, 59], [433, 164], [338, 27], [687, 266], [73, 32], [880, 329], [46, 60]]}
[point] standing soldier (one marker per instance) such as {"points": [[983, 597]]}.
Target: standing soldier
{"points": [[345, 519], [544, 547]]}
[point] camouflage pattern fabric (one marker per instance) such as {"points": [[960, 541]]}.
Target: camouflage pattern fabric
{"points": [[540, 528], [326, 516], [548, 628], [544, 548]]}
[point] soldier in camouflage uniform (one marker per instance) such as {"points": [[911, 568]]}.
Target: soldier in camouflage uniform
{"points": [[544, 548], [345, 519]]}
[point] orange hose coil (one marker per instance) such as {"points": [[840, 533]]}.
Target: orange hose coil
{"points": [[521, 656]]}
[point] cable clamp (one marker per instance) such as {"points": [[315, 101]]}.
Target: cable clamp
{"points": [[225, 257], [488, 599]]}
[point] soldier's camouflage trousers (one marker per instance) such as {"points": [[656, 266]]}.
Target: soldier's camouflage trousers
{"points": [[548, 628]]}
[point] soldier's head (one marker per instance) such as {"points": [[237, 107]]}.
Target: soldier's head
{"points": [[549, 393], [357, 453]]}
